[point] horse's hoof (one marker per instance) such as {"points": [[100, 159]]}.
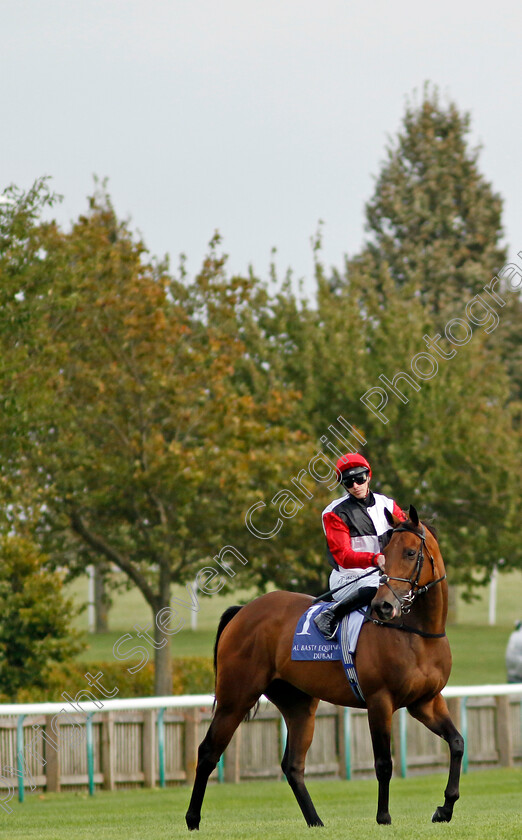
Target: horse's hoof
{"points": [[316, 823], [384, 819], [192, 822], [441, 815]]}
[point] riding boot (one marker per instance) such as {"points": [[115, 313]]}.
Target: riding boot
{"points": [[328, 620]]}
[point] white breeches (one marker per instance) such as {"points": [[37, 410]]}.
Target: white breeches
{"points": [[355, 579]]}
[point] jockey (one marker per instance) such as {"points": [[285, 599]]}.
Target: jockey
{"points": [[356, 530]]}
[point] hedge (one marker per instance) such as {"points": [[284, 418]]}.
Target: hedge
{"points": [[191, 675]]}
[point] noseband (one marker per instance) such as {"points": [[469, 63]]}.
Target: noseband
{"points": [[406, 601]]}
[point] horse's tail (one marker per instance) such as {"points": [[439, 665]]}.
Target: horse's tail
{"points": [[227, 616]]}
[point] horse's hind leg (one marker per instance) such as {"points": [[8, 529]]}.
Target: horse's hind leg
{"points": [[435, 716], [220, 731], [298, 710], [239, 686]]}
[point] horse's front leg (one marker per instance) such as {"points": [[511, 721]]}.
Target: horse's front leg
{"points": [[434, 714], [379, 718]]}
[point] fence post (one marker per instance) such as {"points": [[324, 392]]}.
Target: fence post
{"points": [[161, 747], [232, 773], [464, 731], [90, 753], [283, 735], [108, 757], [395, 743], [149, 748], [400, 742], [20, 755], [453, 704], [52, 754], [345, 741], [503, 730], [191, 742], [403, 734]]}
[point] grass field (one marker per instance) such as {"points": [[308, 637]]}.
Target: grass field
{"points": [[130, 607], [478, 649], [489, 809]]}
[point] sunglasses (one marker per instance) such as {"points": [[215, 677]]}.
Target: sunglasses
{"points": [[355, 479]]}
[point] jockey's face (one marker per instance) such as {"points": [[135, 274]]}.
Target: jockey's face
{"points": [[359, 491]]}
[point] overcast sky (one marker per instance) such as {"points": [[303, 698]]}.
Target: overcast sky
{"points": [[254, 117]]}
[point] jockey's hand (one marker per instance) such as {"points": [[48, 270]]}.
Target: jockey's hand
{"points": [[380, 560]]}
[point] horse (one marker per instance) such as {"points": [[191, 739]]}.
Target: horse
{"points": [[403, 659]]}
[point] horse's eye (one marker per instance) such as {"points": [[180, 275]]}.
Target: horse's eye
{"points": [[411, 552]]}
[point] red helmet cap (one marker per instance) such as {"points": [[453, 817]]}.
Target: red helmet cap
{"points": [[352, 463]]}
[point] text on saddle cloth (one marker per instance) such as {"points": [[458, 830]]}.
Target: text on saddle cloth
{"points": [[309, 644]]}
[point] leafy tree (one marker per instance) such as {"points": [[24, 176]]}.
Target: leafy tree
{"points": [[126, 429], [453, 446], [436, 450], [35, 631], [434, 226]]}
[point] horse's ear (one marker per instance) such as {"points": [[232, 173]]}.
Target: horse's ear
{"points": [[414, 516], [392, 520]]}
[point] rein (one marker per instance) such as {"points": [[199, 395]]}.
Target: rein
{"points": [[406, 628], [342, 586], [406, 601]]}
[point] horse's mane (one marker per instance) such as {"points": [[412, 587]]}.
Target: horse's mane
{"points": [[432, 530]]}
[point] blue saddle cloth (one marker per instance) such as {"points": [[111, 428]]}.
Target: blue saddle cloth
{"points": [[309, 643]]}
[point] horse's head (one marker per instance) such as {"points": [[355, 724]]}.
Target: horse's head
{"points": [[413, 566]]}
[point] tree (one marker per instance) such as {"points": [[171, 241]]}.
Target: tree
{"points": [[35, 619], [434, 225], [435, 222], [433, 219], [441, 447], [435, 450], [126, 430]]}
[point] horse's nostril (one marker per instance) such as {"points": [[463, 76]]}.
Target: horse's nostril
{"points": [[384, 610]]}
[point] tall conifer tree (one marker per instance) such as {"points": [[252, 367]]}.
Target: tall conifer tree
{"points": [[434, 219]]}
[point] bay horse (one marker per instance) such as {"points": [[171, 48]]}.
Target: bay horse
{"points": [[403, 658]]}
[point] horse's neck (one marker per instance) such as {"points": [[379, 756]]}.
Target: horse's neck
{"points": [[431, 609]]}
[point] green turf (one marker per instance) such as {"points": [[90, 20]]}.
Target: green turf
{"points": [[129, 607], [185, 643], [478, 654], [509, 603], [489, 809]]}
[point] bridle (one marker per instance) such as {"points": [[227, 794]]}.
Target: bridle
{"points": [[406, 601]]}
